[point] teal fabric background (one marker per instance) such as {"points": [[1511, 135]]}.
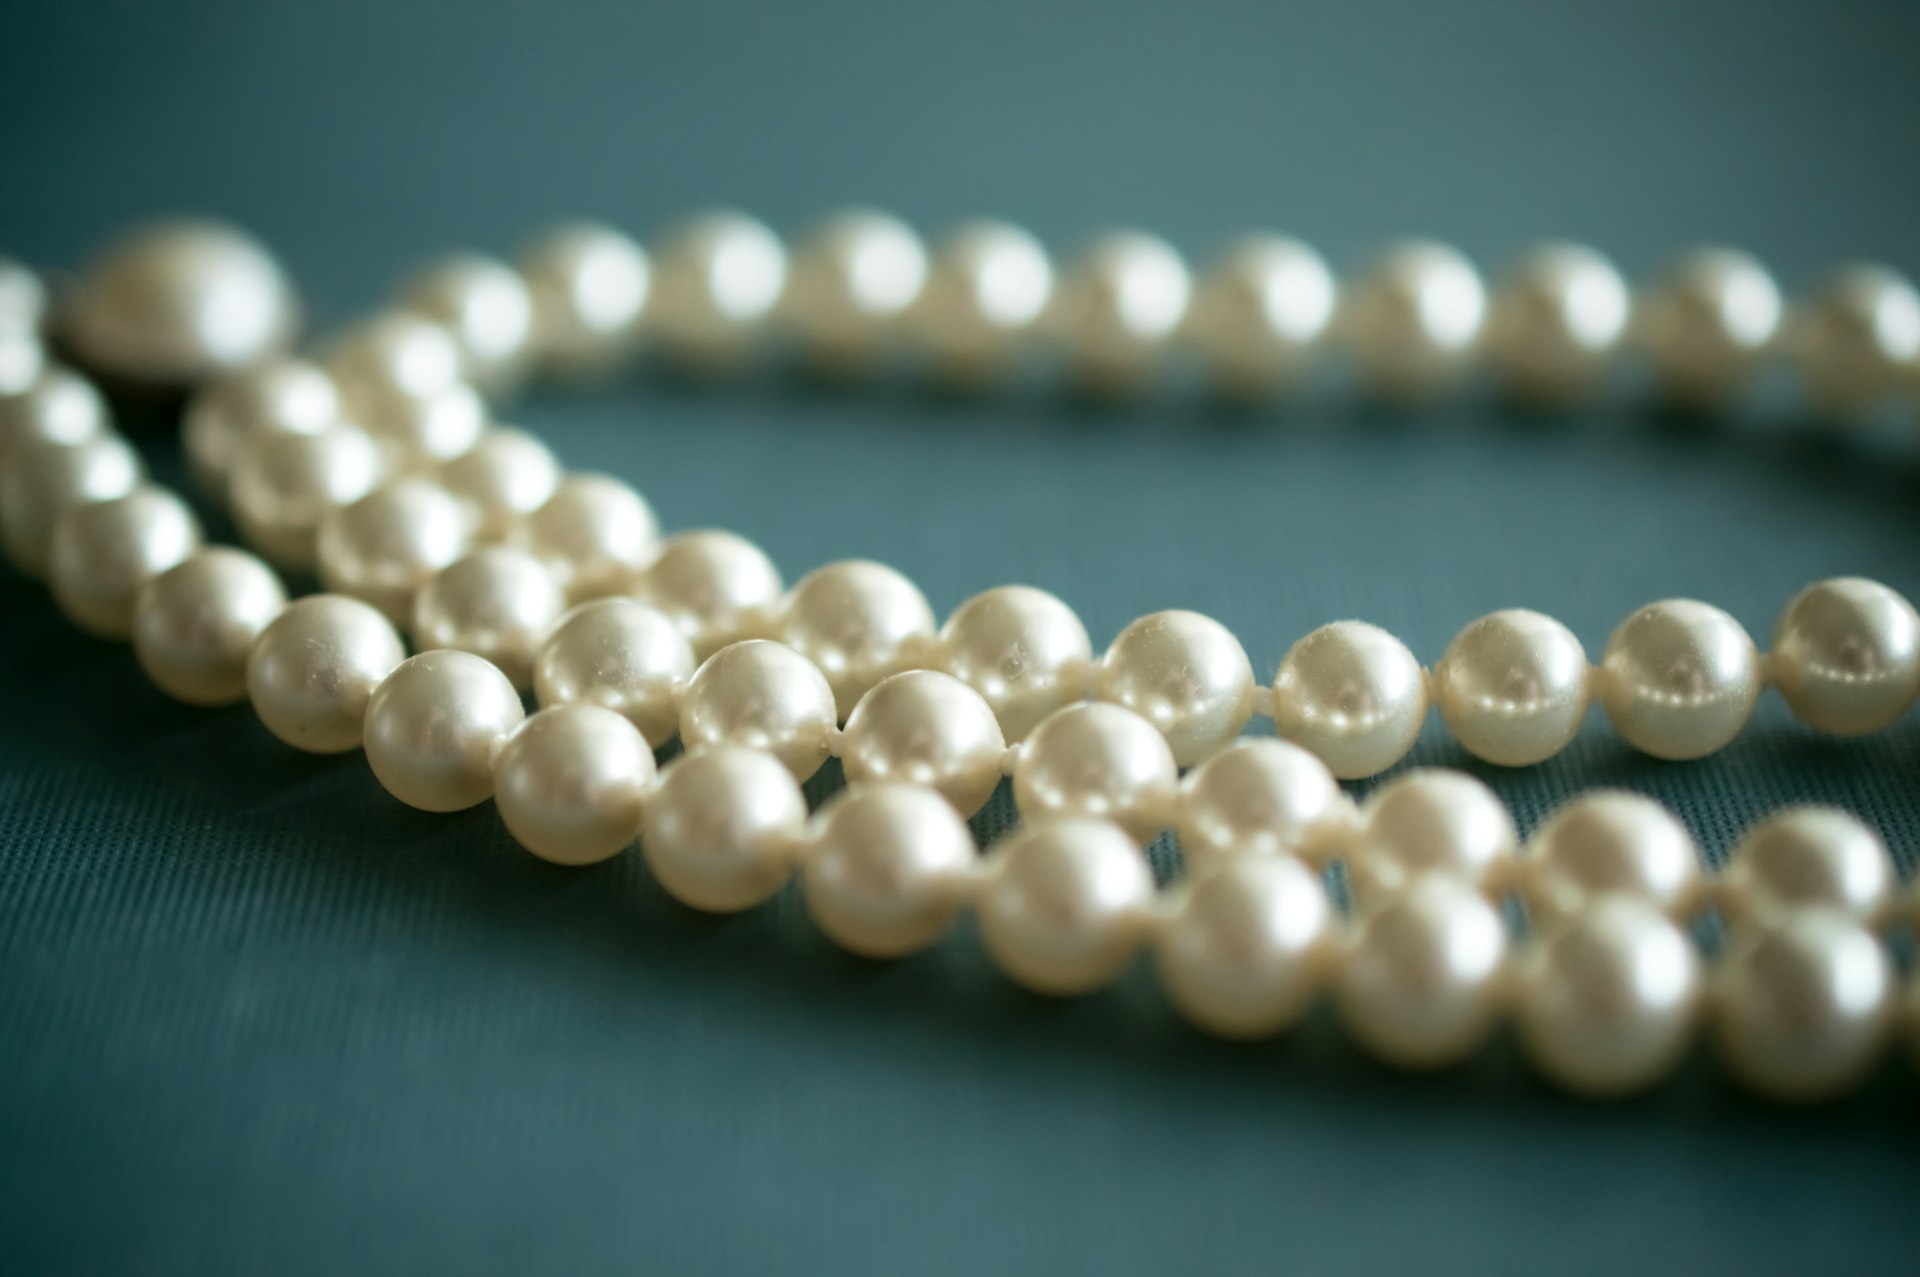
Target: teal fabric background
{"points": [[256, 1017]]}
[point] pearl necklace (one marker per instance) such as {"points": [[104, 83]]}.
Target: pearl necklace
{"points": [[378, 468]]}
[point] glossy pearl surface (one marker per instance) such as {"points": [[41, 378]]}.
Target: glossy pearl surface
{"points": [[23, 300], [858, 622], [434, 725], [1429, 822], [1065, 906], [1555, 324], [1679, 679], [1187, 675], [1858, 339], [1249, 946], [486, 307], [721, 828], [42, 481], [851, 280], [55, 406], [195, 624], [987, 284], [1096, 759], [1259, 314], [281, 396], [1353, 694], [506, 475], [570, 781], [103, 552], [384, 547], [1846, 656], [716, 282], [717, 588], [765, 696], [1707, 323], [314, 668], [1809, 857], [589, 286], [887, 868], [284, 484], [1022, 649], [1117, 309], [618, 654], [1609, 843], [1410, 322], [930, 729], [1513, 687], [1261, 796], [498, 603], [593, 534], [393, 353]]}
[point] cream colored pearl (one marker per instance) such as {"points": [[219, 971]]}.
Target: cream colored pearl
{"points": [[42, 481], [505, 476], [1707, 323], [589, 286], [384, 547], [1809, 857], [485, 305], [1422, 984], [763, 695], [570, 782], [1846, 656], [23, 300], [852, 279], [887, 869], [103, 552], [859, 622], [930, 729], [1353, 694], [1249, 947], [1261, 796], [1679, 679], [717, 588], [1802, 1007], [1117, 310], [1858, 339], [1429, 822], [1022, 649], [1187, 675], [22, 360], [1555, 324], [56, 407], [393, 353], [593, 533], [1513, 687], [1065, 906], [721, 828], [716, 282], [498, 603], [283, 484], [1605, 844], [616, 653], [433, 728], [281, 396], [1607, 1006], [987, 284], [1260, 312], [1096, 759], [195, 624], [422, 431], [1411, 322], [314, 668]]}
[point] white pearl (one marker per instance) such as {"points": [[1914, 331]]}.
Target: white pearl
{"points": [[851, 281], [1117, 310], [570, 781], [315, 666], [498, 603], [394, 352], [1846, 656], [424, 430], [1422, 984], [1249, 947], [1065, 905], [1412, 320], [56, 407], [721, 828], [485, 305], [1809, 857], [1607, 1006], [716, 281], [618, 654], [505, 476], [1605, 844], [195, 624], [1555, 324], [1353, 694], [589, 286], [926, 728], [1803, 1006], [1097, 759], [43, 480], [1260, 312], [1020, 648], [886, 869], [987, 284], [1260, 796], [1707, 323], [1429, 822], [763, 695], [384, 547], [22, 360], [593, 533], [281, 396], [1858, 339], [1679, 679], [103, 552], [433, 728], [23, 300], [859, 622], [1187, 675], [283, 484], [718, 588], [1513, 687]]}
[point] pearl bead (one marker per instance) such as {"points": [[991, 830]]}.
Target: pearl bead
{"points": [[1429, 822], [505, 476], [1607, 1006], [1604, 844], [1260, 312], [1802, 1007], [1513, 687], [281, 396], [1809, 857], [1846, 656], [393, 353], [763, 695], [195, 624], [589, 286], [852, 280], [177, 301], [569, 783], [1187, 675], [717, 588], [486, 308], [23, 300], [1249, 947], [424, 430], [1022, 649], [1707, 324], [102, 554], [1260, 796], [717, 280], [314, 668], [43, 481], [926, 728], [1555, 324], [987, 285], [384, 547], [433, 728], [1096, 759], [498, 603], [1422, 984], [1117, 310], [1858, 339], [721, 828], [887, 869], [56, 407], [593, 533], [1679, 679], [1353, 694], [1065, 905], [282, 485], [1411, 322], [859, 622], [22, 360], [618, 654]]}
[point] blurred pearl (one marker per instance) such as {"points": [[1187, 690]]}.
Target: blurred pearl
{"points": [[1707, 323], [485, 305], [887, 869], [1605, 844], [1065, 906], [195, 624], [1803, 1006], [763, 695], [717, 588], [103, 552], [23, 358], [926, 728], [859, 622], [1118, 308], [434, 725], [424, 430], [23, 300], [42, 481], [281, 396], [384, 546], [593, 533], [1353, 694], [506, 475], [283, 484], [1809, 857], [1412, 320], [1429, 822], [1421, 987], [56, 407], [589, 285], [1187, 675], [1021, 649], [394, 352], [987, 285], [177, 301], [721, 828], [618, 654], [1513, 687], [569, 783], [1260, 796], [1249, 947], [1607, 1006], [1858, 339], [1097, 759], [1260, 312], [498, 603], [1556, 323], [314, 668], [1679, 679], [1846, 656], [852, 280], [716, 281]]}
